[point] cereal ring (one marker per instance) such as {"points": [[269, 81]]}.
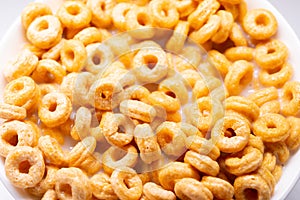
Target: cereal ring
{"points": [[291, 98], [185, 8], [219, 61], [173, 172], [256, 142], [277, 172], [35, 50], [236, 36], [102, 188], [260, 24], [73, 55], [190, 77], [280, 150], [45, 32], [232, 8], [67, 85], [53, 132], [264, 95], [177, 40], [277, 77], [205, 86], [171, 139], [158, 98], [267, 177], [119, 15], [271, 54], [239, 53], [48, 71], [23, 65], [88, 36], [225, 27], [49, 195], [164, 13], [101, 12], [116, 157], [15, 133], [231, 134], [269, 161], [195, 190], [54, 52], [81, 128], [92, 164], [202, 163], [24, 166], [12, 112], [271, 127], [54, 109], [270, 107], [74, 14], [239, 76], [221, 189], [147, 143], [132, 190], [292, 141], [32, 11], [81, 87], [72, 183], [248, 161], [155, 192], [137, 92]]}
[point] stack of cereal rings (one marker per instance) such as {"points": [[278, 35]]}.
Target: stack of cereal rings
{"points": [[147, 100]]}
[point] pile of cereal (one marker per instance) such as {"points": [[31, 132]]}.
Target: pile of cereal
{"points": [[115, 99]]}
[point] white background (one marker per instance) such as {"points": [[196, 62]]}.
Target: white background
{"points": [[10, 10]]}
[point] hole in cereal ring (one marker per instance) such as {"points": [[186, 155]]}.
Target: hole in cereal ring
{"points": [[251, 194], [11, 138], [73, 10], [66, 189], [171, 94], [142, 19], [271, 125], [44, 25], [164, 12], [24, 167], [96, 59], [103, 6], [70, 55], [53, 107], [262, 20], [275, 70], [150, 61], [127, 183], [151, 86], [118, 154], [271, 50], [18, 87], [103, 96], [121, 129], [50, 76], [229, 133], [167, 138]]}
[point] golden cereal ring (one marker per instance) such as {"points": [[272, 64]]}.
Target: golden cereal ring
{"points": [[74, 14], [190, 77], [47, 183], [88, 36], [243, 9], [291, 98], [204, 10], [115, 157], [72, 183], [195, 190], [270, 107], [277, 77], [202, 163], [225, 27], [256, 142], [45, 32], [24, 166], [237, 36], [239, 76], [239, 53], [73, 55], [119, 15], [12, 112], [147, 143], [48, 71], [53, 132], [249, 160], [219, 61], [292, 141], [81, 87], [155, 192], [102, 188], [132, 190], [35, 50], [101, 12], [54, 109], [271, 127], [280, 150], [137, 92], [204, 87], [32, 11], [92, 164], [171, 139], [271, 54], [158, 98], [185, 8], [277, 172], [49, 195], [231, 134], [54, 52], [52, 150], [15, 133], [264, 95], [260, 24], [174, 171], [268, 178], [251, 182], [46, 88], [164, 13], [177, 40], [189, 130], [23, 65], [82, 123], [269, 161], [207, 31], [220, 188], [68, 83]]}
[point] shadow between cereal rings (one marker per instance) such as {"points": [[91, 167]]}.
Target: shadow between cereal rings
{"points": [[120, 74]]}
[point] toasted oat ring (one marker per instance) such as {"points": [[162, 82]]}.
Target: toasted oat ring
{"points": [[202, 163], [54, 109], [292, 141], [185, 8], [262, 96], [45, 32], [204, 87], [231, 134], [238, 77], [174, 171], [225, 27], [102, 188], [164, 13], [220, 188], [291, 98], [203, 146], [271, 127], [73, 55], [269, 161], [136, 92], [256, 142], [12, 112], [189, 188], [239, 53], [101, 12], [15, 133], [24, 166], [119, 15], [279, 149], [158, 98], [155, 192], [260, 24], [219, 61], [277, 172], [88, 36], [74, 14], [54, 52], [244, 162], [270, 107], [49, 195], [82, 124], [268, 178], [251, 182], [177, 40], [72, 183]]}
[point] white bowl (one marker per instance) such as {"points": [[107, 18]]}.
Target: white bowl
{"points": [[14, 39]]}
